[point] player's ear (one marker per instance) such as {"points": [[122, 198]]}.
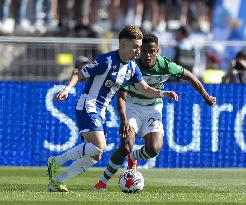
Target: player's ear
{"points": [[157, 51]]}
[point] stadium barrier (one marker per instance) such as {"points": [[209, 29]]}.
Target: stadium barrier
{"points": [[33, 126], [45, 59], [51, 59]]}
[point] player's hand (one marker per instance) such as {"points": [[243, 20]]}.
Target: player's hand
{"points": [[62, 95], [124, 129], [171, 94], [210, 100]]}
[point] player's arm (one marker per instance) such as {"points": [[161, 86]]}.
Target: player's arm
{"points": [[74, 79], [148, 91], [154, 93], [193, 80], [97, 67], [121, 106]]}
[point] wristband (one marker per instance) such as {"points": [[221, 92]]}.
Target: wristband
{"points": [[162, 94], [68, 88]]}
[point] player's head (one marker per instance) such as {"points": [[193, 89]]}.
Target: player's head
{"points": [[81, 61], [182, 32], [149, 50], [130, 41]]}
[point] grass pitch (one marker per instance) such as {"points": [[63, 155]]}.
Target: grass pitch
{"points": [[19, 185]]}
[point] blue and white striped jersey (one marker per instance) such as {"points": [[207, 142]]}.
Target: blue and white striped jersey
{"points": [[105, 76]]}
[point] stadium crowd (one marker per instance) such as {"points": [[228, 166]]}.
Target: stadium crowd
{"points": [[49, 16], [183, 21]]}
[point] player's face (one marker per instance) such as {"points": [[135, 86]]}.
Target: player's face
{"points": [[132, 48], [148, 54]]}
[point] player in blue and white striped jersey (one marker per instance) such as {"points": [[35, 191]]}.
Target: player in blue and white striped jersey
{"points": [[105, 76]]}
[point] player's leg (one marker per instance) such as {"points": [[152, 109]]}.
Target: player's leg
{"points": [[86, 154], [83, 162], [116, 159], [152, 146], [89, 148], [126, 146], [152, 132]]}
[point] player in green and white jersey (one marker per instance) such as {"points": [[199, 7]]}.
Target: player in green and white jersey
{"points": [[139, 114]]}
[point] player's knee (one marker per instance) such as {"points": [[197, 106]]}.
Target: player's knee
{"points": [[97, 157], [102, 146], [153, 150]]}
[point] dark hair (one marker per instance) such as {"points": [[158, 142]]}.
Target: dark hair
{"points": [[80, 60], [150, 38], [184, 30], [131, 32], [241, 54]]}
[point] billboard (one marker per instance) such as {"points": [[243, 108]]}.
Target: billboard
{"points": [[34, 126]]}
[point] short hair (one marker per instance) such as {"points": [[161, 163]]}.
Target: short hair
{"points": [[131, 32], [241, 54], [184, 30], [80, 60], [150, 38]]}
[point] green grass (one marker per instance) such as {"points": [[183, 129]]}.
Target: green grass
{"points": [[19, 185]]}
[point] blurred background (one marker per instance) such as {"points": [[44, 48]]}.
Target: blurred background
{"points": [[40, 39]]}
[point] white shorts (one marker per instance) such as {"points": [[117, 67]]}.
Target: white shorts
{"points": [[145, 119]]}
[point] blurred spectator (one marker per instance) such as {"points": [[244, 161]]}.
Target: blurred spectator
{"points": [[43, 14], [7, 23], [81, 14], [195, 14], [184, 51], [160, 15], [210, 6], [46, 16], [212, 73], [93, 16], [119, 10], [22, 20], [237, 70], [80, 62]]}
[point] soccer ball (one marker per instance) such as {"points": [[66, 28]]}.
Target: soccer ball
{"points": [[131, 181]]}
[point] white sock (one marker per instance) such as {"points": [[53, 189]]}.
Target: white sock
{"points": [[81, 150], [78, 167]]}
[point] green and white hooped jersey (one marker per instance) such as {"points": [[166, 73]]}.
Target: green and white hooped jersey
{"points": [[155, 77]]}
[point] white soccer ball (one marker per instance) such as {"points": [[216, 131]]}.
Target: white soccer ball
{"points": [[131, 181]]}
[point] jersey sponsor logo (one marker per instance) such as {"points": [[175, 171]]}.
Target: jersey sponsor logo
{"points": [[97, 123], [179, 68], [110, 84], [156, 78]]}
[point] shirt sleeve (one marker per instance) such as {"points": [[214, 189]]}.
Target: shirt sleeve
{"points": [[175, 70], [137, 76], [97, 67]]}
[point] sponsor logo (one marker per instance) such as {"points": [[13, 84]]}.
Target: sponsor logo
{"points": [[110, 84], [97, 123]]}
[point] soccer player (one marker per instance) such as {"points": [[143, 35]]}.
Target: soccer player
{"points": [[139, 113], [104, 77]]}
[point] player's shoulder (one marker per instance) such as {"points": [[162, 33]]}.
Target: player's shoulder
{"points": [[162, 60], [105, 56]]}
